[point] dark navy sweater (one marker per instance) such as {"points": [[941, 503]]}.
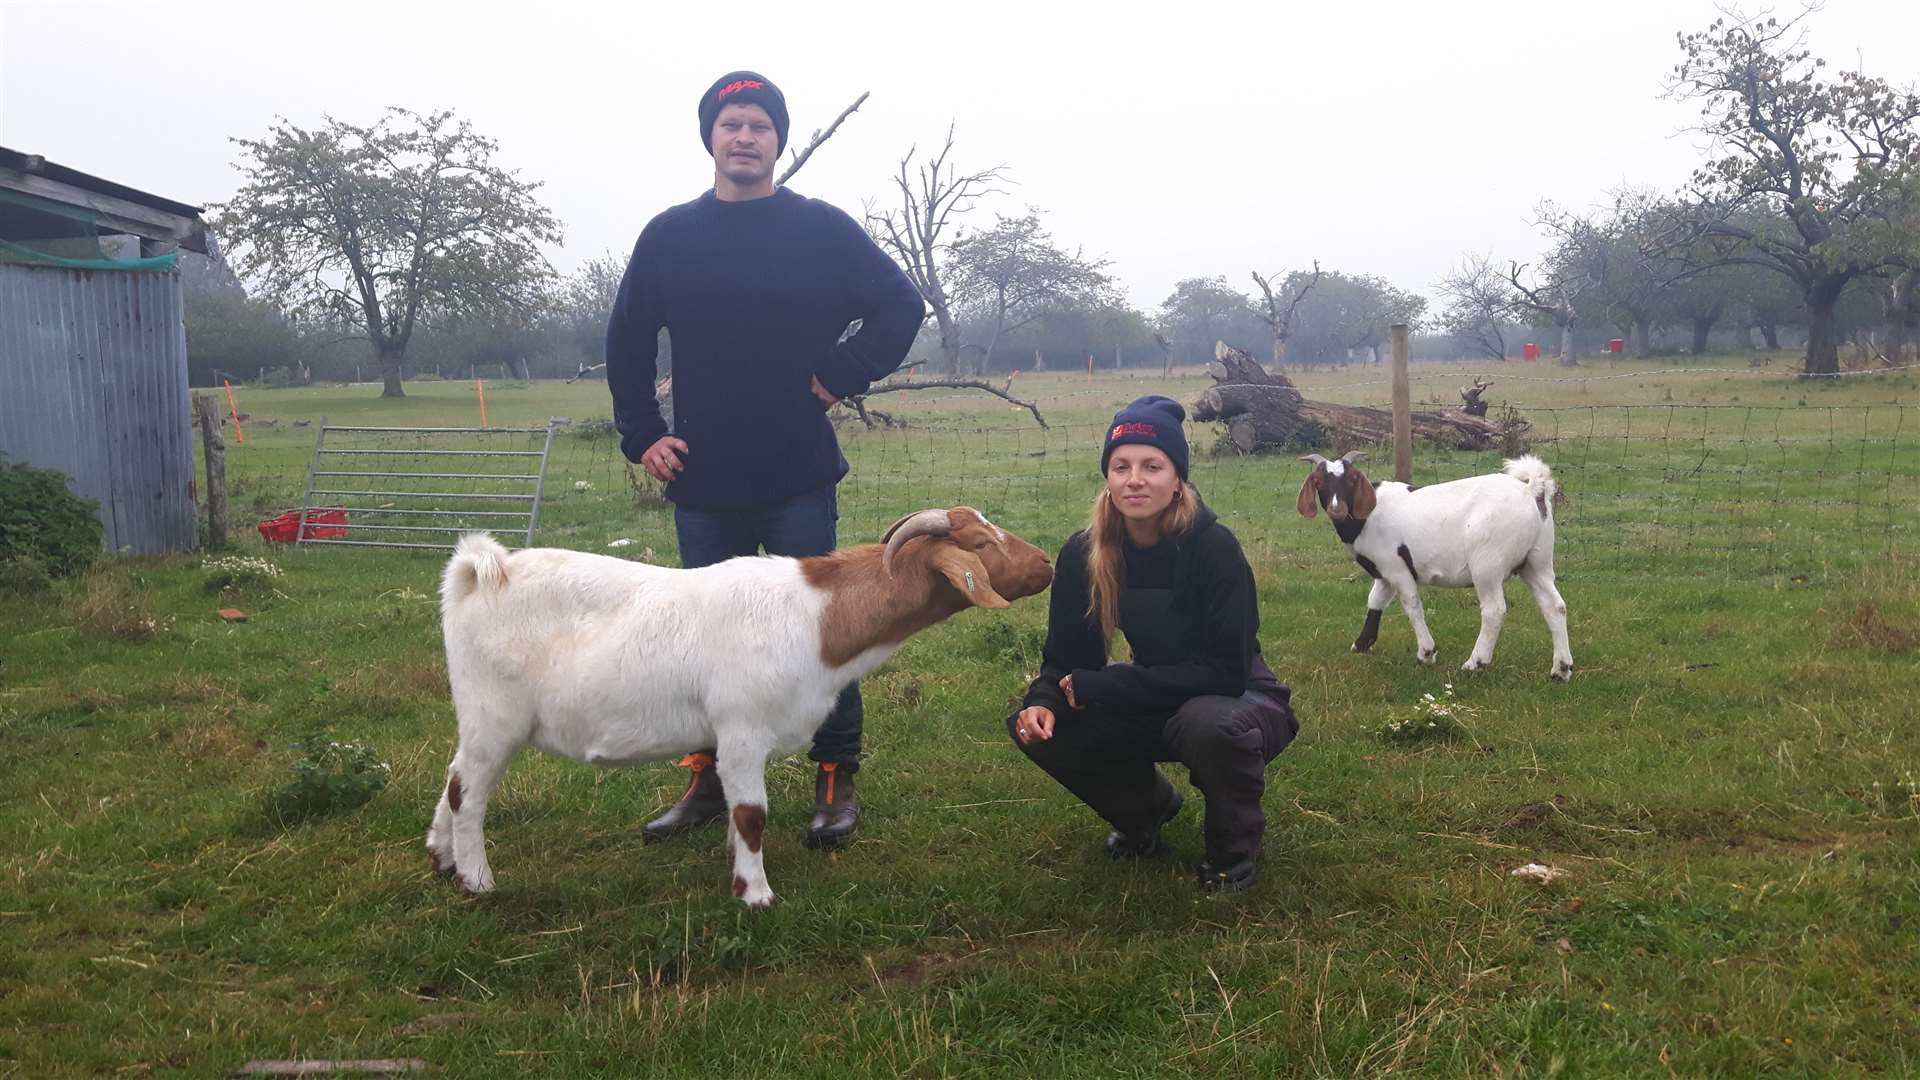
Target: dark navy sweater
{"points": [[754, 296]]}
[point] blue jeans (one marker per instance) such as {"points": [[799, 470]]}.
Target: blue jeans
{"points": [[803, 525]]}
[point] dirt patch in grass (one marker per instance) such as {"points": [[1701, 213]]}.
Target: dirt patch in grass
{"points": [[923, 966], [1867, 627], [397, 687]]}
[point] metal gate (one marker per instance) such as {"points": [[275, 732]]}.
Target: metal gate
{"points": [[419, 487]]}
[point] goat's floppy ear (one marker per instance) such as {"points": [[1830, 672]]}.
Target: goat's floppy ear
{"points": [[969, 575], [1308, 504], [1364, 499]]}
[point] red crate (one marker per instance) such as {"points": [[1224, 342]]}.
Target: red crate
{"points": [[321, 525]]}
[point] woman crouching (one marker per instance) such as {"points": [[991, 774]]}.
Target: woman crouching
{"points": [[1155, 563]]}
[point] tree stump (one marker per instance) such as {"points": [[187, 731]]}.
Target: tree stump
{"points": [[1264, 412]]}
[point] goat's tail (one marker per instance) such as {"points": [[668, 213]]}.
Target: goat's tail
{"points": [[1534, 473], [478, 563]]}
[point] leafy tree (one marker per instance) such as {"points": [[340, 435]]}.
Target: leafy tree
{"points": [[1013, 274], [1201, 311], [387, 226], [1351, 311], [1638, 270], [1700, 301], [1832, 158]]}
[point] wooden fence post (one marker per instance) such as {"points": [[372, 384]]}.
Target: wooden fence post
{"points": [[208, 414], [1402, 408]]}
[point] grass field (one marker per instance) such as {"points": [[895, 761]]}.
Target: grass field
{"points": [[1729, 782]]}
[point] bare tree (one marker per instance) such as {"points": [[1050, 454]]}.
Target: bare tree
{"points": [[800, 157], [1279, 309], [1479, 301], [917, 232], [1571, 271]]}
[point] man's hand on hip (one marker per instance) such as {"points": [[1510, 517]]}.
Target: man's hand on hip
{"points": [[827, 400], [662, 459]]}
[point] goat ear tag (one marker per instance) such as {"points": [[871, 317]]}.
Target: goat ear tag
{"points": [[964, 571]]}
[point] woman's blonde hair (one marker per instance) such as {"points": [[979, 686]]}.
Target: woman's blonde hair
{"points": [[1107, 559]]}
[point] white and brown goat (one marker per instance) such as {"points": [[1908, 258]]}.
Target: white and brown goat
{"points": [[616, 663], [1478, 531]]}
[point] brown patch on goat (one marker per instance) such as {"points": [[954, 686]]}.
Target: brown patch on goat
{"points": [[867, 608], [751, 823], [739, 885], [864, 608], [453, 793], [1308, 502]]}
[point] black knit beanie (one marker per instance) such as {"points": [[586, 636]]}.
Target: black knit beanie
{"points": [[1154, 421], [743, 88]]}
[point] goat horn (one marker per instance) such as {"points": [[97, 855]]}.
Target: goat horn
{"points": [[1352, 456], [924, 523], [1315, 458]]}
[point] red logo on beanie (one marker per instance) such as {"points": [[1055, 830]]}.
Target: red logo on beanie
{"points": [[736, 87], [1120, 430]]}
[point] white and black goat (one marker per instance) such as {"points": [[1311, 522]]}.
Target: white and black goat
{"points": [[615, 663], [1478, 531]]}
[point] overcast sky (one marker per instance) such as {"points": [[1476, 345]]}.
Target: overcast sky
{"points": [[1186, 139]]}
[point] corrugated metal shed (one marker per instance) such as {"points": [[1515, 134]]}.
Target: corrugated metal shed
{"points": [[93, 382]]}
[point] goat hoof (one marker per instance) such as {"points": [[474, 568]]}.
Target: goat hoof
{"points": [[475, 884], [1428, 656], [1475, 665], [442, 864], [1363, 646], [764, 903], [1562, 673]]}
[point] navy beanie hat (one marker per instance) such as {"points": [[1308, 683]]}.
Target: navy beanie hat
{"points": [[1154, 421], [743, 88]]}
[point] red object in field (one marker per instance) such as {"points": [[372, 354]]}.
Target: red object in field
{"points": [[1530, 351], [321, 525], [1616, 345]]}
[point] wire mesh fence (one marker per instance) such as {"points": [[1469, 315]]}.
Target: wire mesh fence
{"points": [[1726, 488]]}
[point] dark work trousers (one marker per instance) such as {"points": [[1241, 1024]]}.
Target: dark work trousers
{"points": [[801, 526], [1107, 758]]}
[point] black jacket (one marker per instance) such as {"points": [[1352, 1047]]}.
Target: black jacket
{"points": [[1188, 611]]}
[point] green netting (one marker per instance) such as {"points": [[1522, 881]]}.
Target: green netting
{"points": [[48, 233]]}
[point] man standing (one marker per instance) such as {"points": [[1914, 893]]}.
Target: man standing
{"points": [[756, 287]]}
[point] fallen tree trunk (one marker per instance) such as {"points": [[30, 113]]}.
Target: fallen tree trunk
{"points": [[1265, 412]]}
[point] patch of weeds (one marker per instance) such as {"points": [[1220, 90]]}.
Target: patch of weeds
{"points": [[112, 609], [904, 689], [1431, 719], [331, 777], [1012, 645], [1866, 627], [1893, 797], [237, 573], [24, 576], [648, 493]]}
